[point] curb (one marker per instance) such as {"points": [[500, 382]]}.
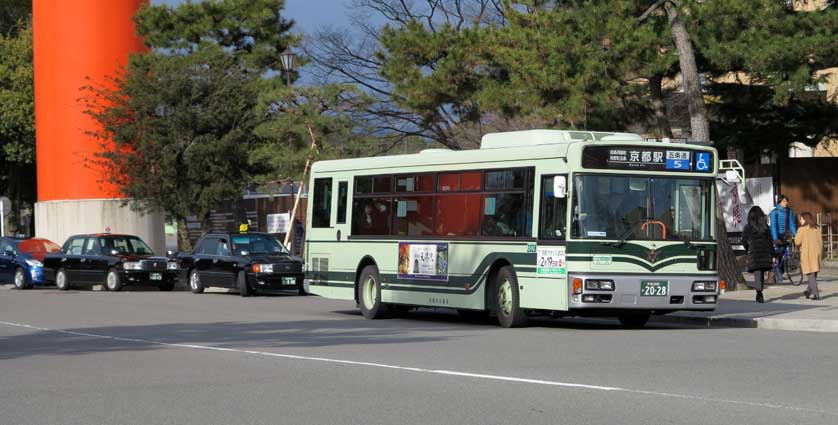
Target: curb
{"points": [[709, 322], [768, 323]]}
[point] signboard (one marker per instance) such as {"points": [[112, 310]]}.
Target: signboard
{"points": [[428, 261], [551, 261], [652, 158], [279, 223], [735, 204]]}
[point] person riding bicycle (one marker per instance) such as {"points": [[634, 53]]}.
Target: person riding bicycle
{"points": [[783, 229]]}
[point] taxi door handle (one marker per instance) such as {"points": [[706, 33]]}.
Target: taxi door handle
{"points": [[83, 260], [215, 260]]}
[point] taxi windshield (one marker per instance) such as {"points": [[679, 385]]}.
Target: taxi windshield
{"points": [[258, 244], [124, 245]]}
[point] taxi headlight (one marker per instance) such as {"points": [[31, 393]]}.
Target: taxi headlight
{"points": [[132, 265], [171, 265], [33, 262]]}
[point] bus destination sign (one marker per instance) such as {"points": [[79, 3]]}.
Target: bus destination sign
{"points": [[647, 158]]}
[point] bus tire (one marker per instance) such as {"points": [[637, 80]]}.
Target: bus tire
{"points": [[634, 320], [507, 298], [369, 294]]}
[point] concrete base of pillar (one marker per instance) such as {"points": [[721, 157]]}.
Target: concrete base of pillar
{"points": [[58, 220]]}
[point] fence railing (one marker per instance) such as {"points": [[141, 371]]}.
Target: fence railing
{"points": [[830, 235]]}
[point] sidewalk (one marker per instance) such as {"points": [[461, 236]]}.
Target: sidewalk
{"points": [[785, 308]]}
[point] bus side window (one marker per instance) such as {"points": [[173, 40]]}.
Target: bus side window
{"points": [[321, 203], [343, 192], [552, 225]]}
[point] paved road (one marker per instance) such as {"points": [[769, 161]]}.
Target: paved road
{"points": [[86, 357]]}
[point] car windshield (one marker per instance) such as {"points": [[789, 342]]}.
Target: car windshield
{"points": [[258, 244], [124, 245], [32, 246], [645, 208]]}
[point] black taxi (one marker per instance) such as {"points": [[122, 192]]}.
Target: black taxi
{"points": [[247, 261], [110, 260]]}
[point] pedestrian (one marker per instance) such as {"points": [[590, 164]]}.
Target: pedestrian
{"points": [[756, 237], [810, 241], [783, 229]]}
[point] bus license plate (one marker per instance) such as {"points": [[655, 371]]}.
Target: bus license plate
{"points": [[654, 288], [155, 276], [289, 280]]}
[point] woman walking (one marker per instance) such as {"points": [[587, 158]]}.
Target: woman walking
{"points": [[757, 241], [809, 240]]}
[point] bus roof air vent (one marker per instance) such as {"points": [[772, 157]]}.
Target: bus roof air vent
{"points": [[515, 139]]}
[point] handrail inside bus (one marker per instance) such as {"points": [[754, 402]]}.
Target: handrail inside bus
{"points": [[660, 223]]}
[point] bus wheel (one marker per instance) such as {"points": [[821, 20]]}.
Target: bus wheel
{"points": [[634, 320], [510, 313], [369, 294]]}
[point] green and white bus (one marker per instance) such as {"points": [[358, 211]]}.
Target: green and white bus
{"points": [[539, 222]]}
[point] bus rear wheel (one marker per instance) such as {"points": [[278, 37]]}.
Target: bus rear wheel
{"points": [[508, 300], [369, 294]]}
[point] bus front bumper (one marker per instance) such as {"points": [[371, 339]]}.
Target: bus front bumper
{"points": [[664, 293]]}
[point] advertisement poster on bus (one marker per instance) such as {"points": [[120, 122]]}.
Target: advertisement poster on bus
{"points": [[552, 261], [428, 261]]}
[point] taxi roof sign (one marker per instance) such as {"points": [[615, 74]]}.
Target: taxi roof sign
{"points": [[243, 228]]}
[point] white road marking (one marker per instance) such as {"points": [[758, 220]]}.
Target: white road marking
{"points": [[431, 371]]}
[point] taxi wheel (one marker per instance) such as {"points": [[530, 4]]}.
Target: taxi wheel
{"points": [[508, 299], [113, 282], [62, 281], [241, 283], [301, 289], [369, 294], [20, 279], [195, 284]]}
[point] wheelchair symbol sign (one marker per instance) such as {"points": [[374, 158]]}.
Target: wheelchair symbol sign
{"points": [[702, 162]]}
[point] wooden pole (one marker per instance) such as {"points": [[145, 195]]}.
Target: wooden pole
{"points": [[296, 206]]}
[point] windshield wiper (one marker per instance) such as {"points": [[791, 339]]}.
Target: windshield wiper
{"points": [[686, 241], [623, 238]]}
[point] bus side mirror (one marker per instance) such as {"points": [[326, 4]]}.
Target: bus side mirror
{"points": [[560, 187], [732, 177]]}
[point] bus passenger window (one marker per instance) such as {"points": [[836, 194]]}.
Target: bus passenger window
{"points": [[552, 224], [371, 216], [504, 214], [321, 212]]}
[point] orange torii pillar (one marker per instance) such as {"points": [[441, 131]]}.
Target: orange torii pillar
{"points": [[78, 43]]}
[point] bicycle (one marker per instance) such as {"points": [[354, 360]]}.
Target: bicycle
{"points": [[790, 262]]}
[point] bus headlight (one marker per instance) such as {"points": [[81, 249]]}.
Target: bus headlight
{"points": [[599, 285], [704, 286]]}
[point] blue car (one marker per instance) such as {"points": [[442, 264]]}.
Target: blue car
{"points": [[21, 261]]}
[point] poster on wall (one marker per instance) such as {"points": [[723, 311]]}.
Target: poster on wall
{"points": [[551, 261], [279, 223], [428, 261]]}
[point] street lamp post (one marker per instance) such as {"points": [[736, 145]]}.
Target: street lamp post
{"points": [[287, 60]]}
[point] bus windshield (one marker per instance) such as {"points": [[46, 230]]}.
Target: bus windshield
{"points": [[642, 208]]}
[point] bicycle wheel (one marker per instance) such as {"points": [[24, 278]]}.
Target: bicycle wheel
{"points": [[793, 272]]}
